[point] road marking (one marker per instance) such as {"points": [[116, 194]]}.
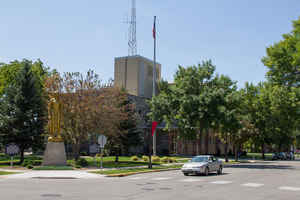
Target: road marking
{"points": [[289, 188], [160, 179], [190, 180], [221, 182], [253, 185], [135, 178]]}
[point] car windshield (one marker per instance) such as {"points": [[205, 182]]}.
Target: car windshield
{"points": [[200, 159]]}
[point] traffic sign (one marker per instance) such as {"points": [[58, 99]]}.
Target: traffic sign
{"points": [[102, 140], [12, 149]]}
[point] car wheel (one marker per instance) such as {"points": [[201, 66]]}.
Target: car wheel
{"points": [[206, 171], [186, 174], [220, 170]]}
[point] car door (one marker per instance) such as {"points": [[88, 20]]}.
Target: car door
{"points": [[215, 164], [211, 164]]}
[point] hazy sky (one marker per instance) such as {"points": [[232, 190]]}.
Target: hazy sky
{"points": [[77, 35]]}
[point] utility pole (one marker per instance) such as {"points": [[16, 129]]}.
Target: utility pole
{"points": [[154, 80]]}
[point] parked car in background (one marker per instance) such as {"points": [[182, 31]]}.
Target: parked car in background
{"points": [[279, 156], [290, 156], [275, 156], [202, 165]]}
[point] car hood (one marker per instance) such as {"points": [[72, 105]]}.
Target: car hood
{"points": [[195, 164]]}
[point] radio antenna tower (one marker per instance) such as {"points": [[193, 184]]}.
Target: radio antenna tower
{"points": [[132, 43]]}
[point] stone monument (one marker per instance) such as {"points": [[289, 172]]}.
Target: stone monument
{"points": [[55, 154]]}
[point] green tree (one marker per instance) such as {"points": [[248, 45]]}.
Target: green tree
{"points": [[23, 114], [191, 102], [285, 117], [257, 106], [130, 135], [283, 59], [8, 72], [230, 121]]}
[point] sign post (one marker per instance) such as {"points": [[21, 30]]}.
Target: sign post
{"points": [[11, 150], [102, 140], [94, 149]]}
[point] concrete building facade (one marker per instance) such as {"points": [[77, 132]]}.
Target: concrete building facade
{"points": [[135, 74]]}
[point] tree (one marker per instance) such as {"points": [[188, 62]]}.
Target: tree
{"points": [[8, 72], [285, 117], [132, 136], [126, 134], [257, 105], [191, 102], [283, 59], [23, 111], [230, 122], [88, 108]]}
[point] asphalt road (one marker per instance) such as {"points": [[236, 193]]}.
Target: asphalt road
{"points": [[265, 180]]}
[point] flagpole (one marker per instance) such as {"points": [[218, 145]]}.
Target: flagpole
{"points": [[154, 80]]}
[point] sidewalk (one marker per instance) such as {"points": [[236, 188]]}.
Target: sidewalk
{"points": [[62, 174]]}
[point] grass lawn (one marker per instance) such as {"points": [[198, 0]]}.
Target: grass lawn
{"points": [[53, 168], [124, 161], [136, 170], [258, 156], [6, 173]]}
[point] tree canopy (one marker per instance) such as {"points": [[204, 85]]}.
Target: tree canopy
{"points": [[23, 111]]}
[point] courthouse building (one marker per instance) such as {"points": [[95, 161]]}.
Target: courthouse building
{"points": [[135, 74]]}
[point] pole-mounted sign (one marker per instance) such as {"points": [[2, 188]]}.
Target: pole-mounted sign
{"points": [[102, 140], [12, 150]]}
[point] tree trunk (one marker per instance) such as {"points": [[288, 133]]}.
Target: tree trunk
{"points": [[21, 156], [117, 158], [197, 143], [118, 153], [226, 149], [236, 157], [206, 141], [263, 150], [76, 151]]}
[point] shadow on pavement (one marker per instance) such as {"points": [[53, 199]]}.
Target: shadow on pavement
{"points": [[260, 166], [210, 174]]}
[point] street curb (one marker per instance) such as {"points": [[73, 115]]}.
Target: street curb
{"points": [[134, 173]]}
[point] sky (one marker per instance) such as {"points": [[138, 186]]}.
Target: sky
{"points": [[77, 35]]}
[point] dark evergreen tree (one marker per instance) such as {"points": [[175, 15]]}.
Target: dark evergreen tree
{"points": [[132, 138], [23, 113], [131, 135]]}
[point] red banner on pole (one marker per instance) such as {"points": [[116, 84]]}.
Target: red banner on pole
{"points": [[154, 125]]}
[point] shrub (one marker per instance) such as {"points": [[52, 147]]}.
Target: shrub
{"points": [[37, 163], [134, 158], [155, 159], [29, 167], [172, 160], [84, 153], [165, 159], [145, 158], [82, 162]]}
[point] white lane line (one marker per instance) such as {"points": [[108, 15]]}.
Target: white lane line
{"points": [[289, 188], [190, 180], [221, 182], [253, 185], [136, 178], [160, 179]]}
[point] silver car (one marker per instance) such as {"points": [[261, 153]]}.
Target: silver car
{"points": [[202, 165]]}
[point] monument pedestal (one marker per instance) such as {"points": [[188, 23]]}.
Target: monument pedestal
{"points": [[55, 154]]}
